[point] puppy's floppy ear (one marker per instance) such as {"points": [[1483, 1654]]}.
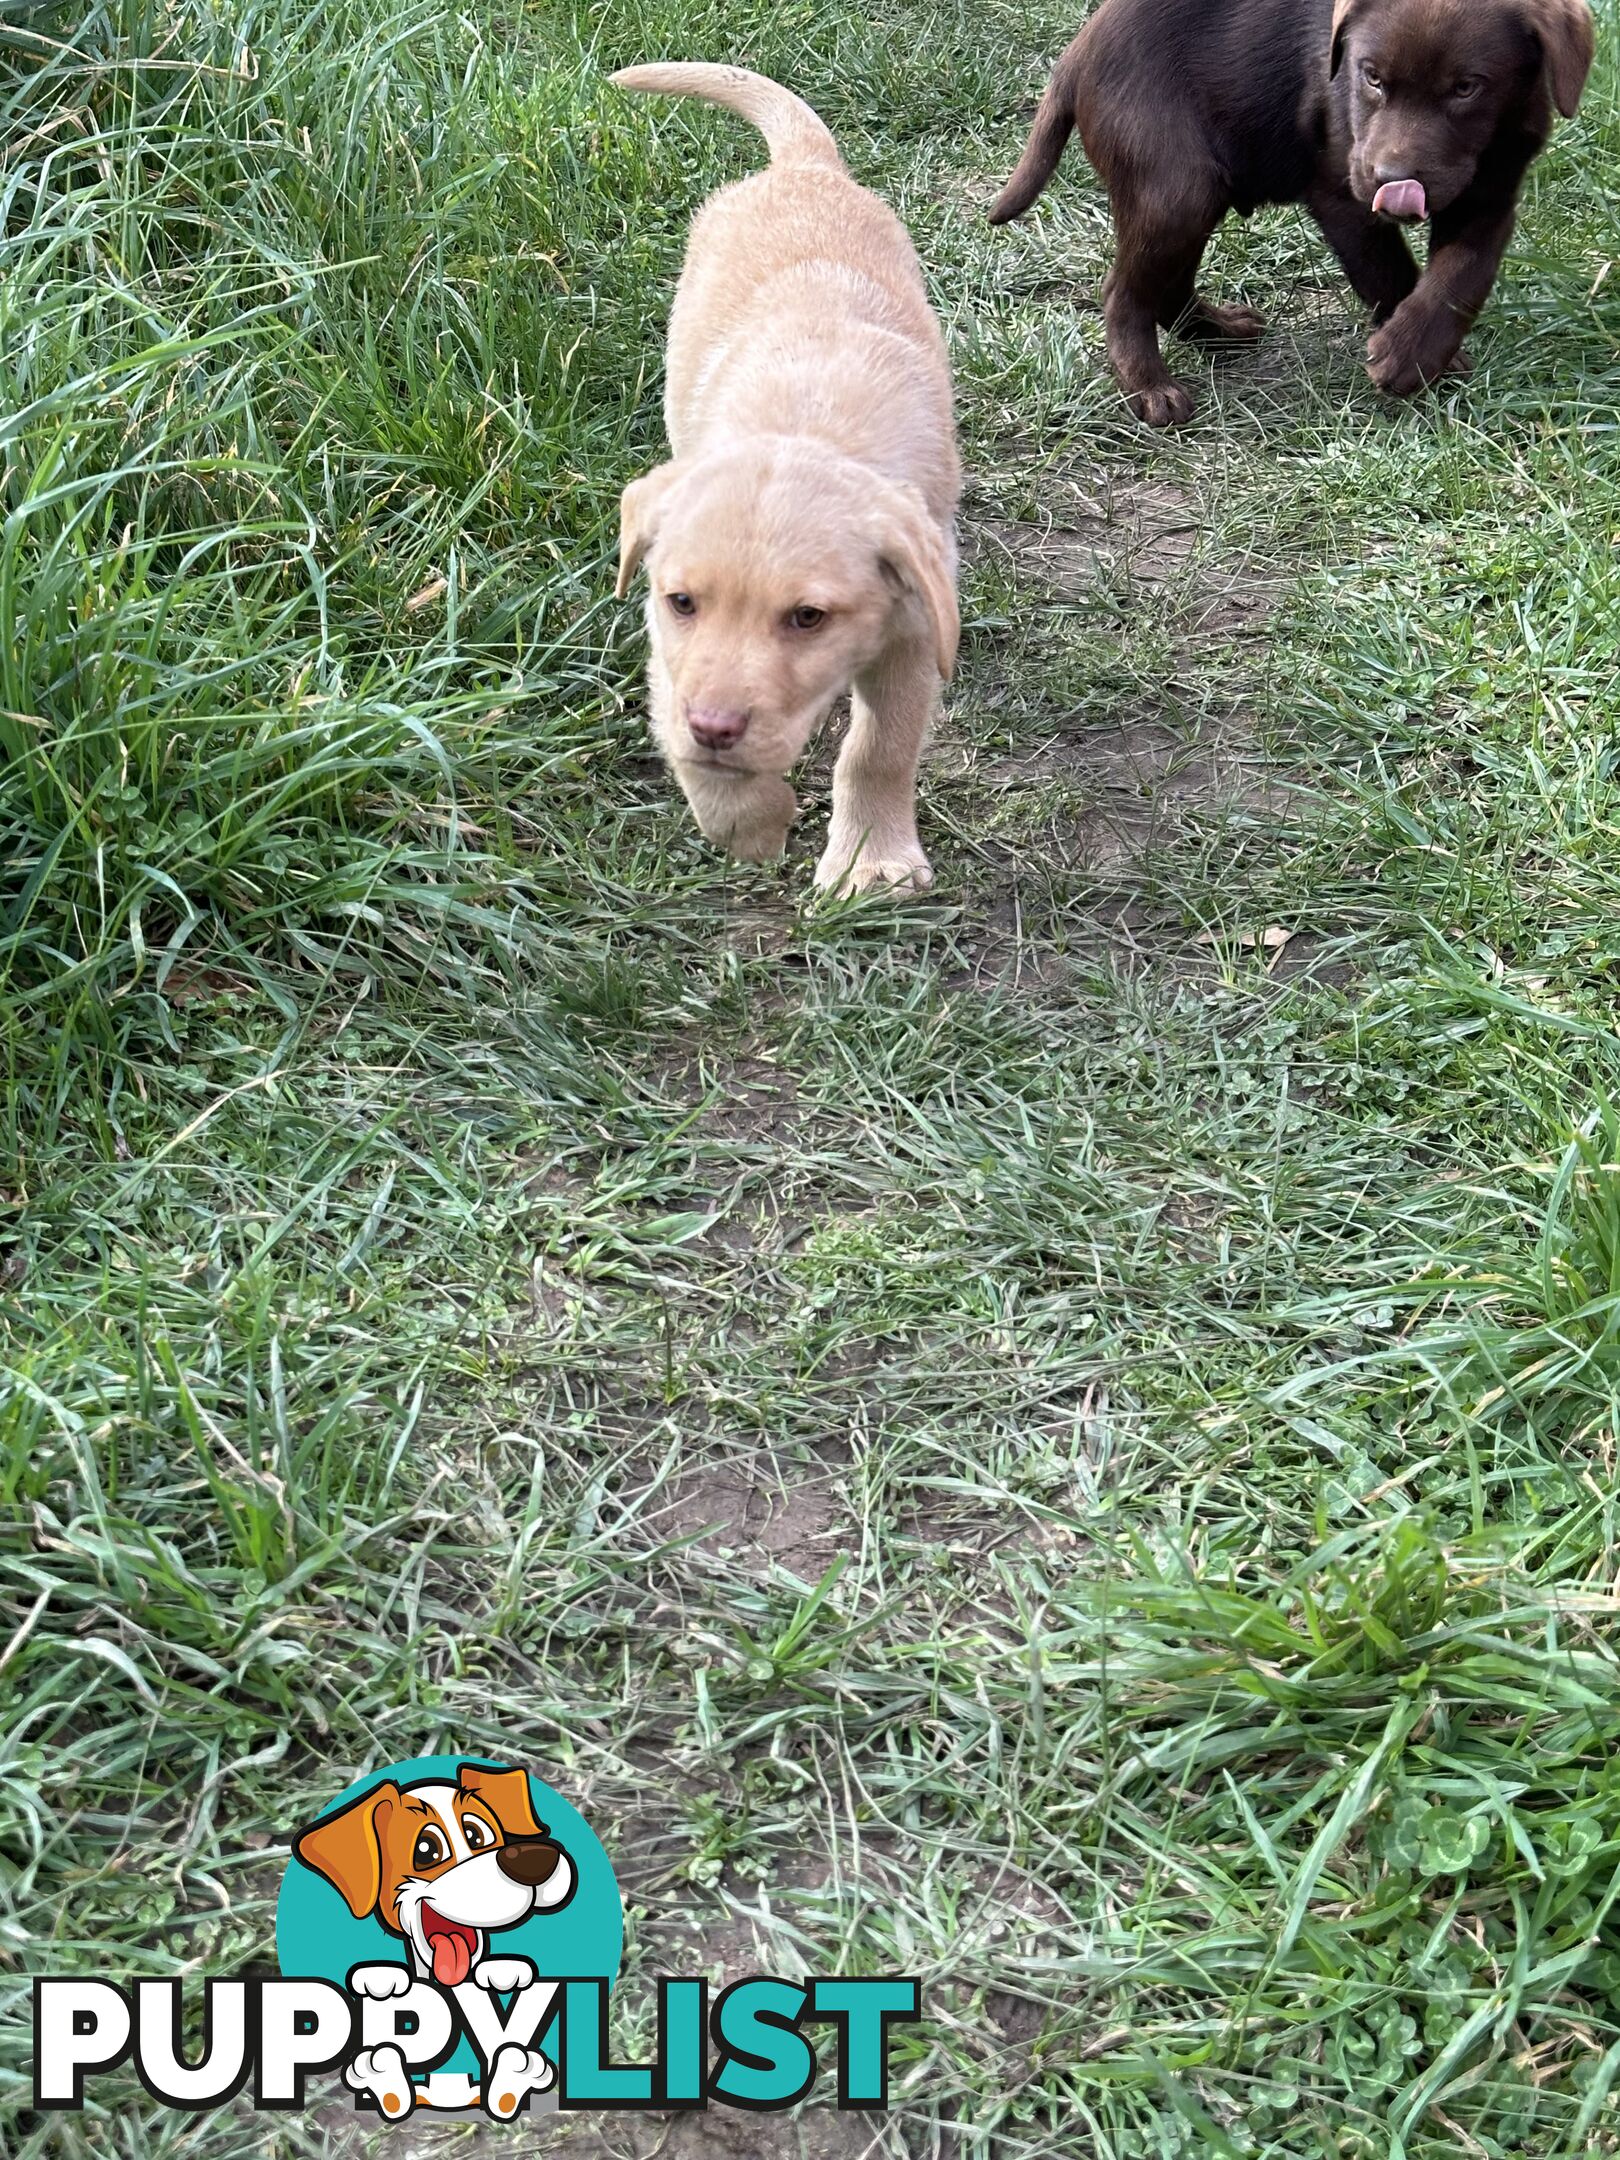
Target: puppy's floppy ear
{"points": [[346, 1849], [1342, 12], [506, 1794], [639, 509], [1568, 43], [912, 554]]}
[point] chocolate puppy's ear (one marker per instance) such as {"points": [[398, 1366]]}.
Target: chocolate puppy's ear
{"points": [[1342, 12], [1568, 43]]}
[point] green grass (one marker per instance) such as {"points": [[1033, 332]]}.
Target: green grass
{"points": [[474, 1259]]}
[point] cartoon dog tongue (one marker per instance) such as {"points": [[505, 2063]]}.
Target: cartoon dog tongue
{"points": [[1401, 199], [452, 1956]]}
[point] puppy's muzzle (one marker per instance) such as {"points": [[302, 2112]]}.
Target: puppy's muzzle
{"points": [[528, 1860], [715, 727]]}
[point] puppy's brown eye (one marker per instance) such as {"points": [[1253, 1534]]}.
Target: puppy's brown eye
{"points": [[1371, 77], [1464, 90], [680, 603], [477, 1834], [429, 1849], [808, 618]]}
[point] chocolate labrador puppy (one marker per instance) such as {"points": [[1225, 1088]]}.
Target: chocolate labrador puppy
{"points": [[1373, 113]]}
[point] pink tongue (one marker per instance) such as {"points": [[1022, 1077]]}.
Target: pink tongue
{"points": [[1402, 199], [452, 1961]]}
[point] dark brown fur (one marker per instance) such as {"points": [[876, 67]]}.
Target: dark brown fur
{"points": [[1191, 108]]}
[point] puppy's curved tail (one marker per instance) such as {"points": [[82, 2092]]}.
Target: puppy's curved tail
{"points": [[1054, 123], [795, 135]]}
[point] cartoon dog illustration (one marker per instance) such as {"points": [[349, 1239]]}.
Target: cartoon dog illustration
{"points": [[443, 1867]]}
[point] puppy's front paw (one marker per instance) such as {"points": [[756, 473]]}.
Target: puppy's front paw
{"points": [[502, 1975], [515, 2073], [899, 867], [1166, 404], [379, 1982], [1406, 355]]}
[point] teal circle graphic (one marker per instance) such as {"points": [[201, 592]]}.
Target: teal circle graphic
{"points": [[317, 1937]]}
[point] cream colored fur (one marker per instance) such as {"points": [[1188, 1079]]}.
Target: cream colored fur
{"points": [[814, 466]]}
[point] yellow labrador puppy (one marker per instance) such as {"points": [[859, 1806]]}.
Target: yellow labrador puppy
{"points": [[800, 542]]}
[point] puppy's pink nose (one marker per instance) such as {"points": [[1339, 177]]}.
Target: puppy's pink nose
{"points": [[716, 727]]}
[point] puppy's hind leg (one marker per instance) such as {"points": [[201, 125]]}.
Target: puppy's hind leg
{"points": [[1153, 282], [381, 2076], [1215, 322], [1184, 311]]}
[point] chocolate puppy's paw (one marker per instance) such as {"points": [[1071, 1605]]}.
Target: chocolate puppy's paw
{"points": [[1405, 357], [1166, 404], [1215, 323]]}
